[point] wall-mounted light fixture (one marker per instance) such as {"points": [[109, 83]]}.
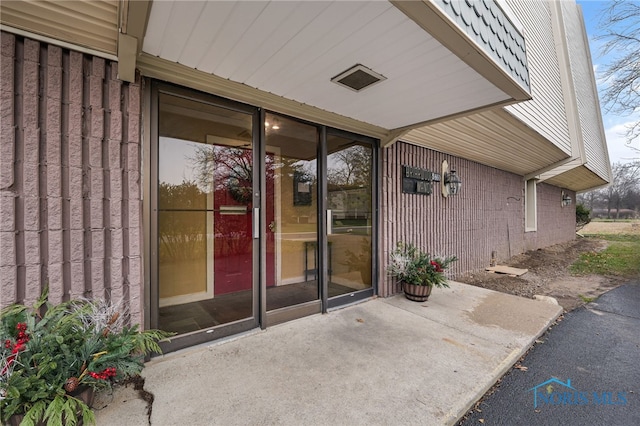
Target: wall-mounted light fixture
{"points": [[450, 183], [566, 199]]}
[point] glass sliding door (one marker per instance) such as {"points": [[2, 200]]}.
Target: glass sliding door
{"points": [[204, 197], [350, 201], [292, 254], [254, 218]]}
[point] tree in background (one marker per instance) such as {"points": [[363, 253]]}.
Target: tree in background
{"points": [[620, 26], [622, 194]]}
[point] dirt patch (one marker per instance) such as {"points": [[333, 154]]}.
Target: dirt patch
{"points": [[549, 275]]}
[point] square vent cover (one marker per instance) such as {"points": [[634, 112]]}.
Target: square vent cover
{"points": [[358, 77]]}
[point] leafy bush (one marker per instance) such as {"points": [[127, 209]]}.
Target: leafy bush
{"points": [[49, 353], [583, 216]]}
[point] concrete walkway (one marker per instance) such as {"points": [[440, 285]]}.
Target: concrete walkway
{"points": [[382, 362]]}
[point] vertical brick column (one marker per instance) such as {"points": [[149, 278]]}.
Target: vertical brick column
{"points": [[52, 140], [76, 175], [133, 211], [70, 201], [8, 193], [29, 194], [95, 203], [114, 177]]}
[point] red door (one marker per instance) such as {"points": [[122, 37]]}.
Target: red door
{"points": [[233, 207]]}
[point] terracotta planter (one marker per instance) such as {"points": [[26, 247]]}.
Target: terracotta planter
{"points": [[417, 293]]}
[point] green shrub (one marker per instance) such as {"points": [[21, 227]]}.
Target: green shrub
{"points": [[583, 216]]}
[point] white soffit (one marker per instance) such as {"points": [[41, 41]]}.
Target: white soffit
{"points": [[494, 138], [293, 49], [577, 179]]}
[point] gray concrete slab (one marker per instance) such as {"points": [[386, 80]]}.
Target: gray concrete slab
{"points": [[385, 361]]}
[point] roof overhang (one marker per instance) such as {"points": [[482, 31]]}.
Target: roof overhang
{"points": [[494, 138], [579, 179], [440, 58], [498, 139], [435, 67]]}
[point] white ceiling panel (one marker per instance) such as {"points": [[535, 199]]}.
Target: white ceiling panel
{"points": [[204, 32], [173, 46], [293, 49]]}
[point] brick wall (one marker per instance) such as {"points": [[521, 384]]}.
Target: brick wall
{"points": [[69, 177], [487, 215], [555, 223]]}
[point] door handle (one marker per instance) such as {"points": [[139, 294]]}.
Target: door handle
{"points": [[256, 222], [329, 222]]}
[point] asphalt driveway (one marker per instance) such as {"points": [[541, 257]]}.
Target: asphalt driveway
{"points": [[591, 360]]}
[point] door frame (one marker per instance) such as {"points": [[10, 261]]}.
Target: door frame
{"points": [[288, 313], [356, 295], [150, 216], [260, 317]]}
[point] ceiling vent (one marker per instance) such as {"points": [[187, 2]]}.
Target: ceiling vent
{"points": [[358, 77]]}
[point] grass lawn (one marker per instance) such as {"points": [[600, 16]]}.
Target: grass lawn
{"points": [[620, 258]]}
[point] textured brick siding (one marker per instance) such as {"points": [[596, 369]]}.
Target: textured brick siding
{"points": [[556, 224], [487, 215], [70, 177]]}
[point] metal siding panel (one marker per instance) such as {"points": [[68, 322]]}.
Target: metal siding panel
{"points": [[92, 24], [545, 112], [583, 79]]}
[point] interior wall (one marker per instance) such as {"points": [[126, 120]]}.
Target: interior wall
{"points": [[486, 216], [69, 177]]}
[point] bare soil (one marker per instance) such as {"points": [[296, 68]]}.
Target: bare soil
{"points": [[549, 275]]}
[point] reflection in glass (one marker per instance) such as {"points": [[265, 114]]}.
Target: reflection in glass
{"points": [[292, 218], [349, 188], [205, 257]]}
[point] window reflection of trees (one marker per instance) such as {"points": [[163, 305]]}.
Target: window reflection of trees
{"points": [[181, 231], [349, 184], [224, 173]]}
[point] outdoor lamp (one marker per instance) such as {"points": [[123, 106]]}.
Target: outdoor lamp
{"points": [[566, 199], [451, 183]]}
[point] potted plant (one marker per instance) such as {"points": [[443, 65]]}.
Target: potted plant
{"points": [[53, 358], [418, 271]]}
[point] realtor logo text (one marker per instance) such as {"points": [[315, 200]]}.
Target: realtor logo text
{"points": [[556, 392]]}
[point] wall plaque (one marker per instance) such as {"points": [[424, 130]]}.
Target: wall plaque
{"points": [[416, 180]]}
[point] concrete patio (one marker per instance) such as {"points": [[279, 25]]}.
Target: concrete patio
{"points": [[385, 362]]}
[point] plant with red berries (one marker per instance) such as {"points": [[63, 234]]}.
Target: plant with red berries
{"points": [[50, 353], [411, 265]]}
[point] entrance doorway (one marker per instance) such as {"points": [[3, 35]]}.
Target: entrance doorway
{"points": [[292, 262], [255, 218], [203, 251]]}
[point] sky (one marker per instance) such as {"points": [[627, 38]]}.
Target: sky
{"points": [[614, 125]]}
